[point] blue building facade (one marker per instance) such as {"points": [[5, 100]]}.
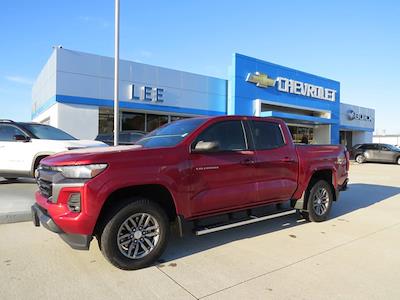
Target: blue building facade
{"points": [[260, 88]]}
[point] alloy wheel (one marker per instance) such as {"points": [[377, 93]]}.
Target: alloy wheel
{"points": [[321, 201], [138, 235]]}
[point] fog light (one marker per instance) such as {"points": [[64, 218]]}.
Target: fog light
{"points": [[74, 202]]}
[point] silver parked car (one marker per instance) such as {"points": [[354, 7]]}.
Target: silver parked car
{"points": [[375, 153]]}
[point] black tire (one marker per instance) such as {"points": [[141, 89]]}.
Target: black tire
{"points": [[398, 160], [360, 158], [319, 201], [111, 245]]}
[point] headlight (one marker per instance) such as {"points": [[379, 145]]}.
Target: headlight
{"points": [[84, 171]]}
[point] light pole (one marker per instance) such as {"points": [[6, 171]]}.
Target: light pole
{"points": [[116, 74]]}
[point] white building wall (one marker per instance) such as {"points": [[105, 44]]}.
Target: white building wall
{"points": [[92, 76], [357, 116], [392, 139], [322, 134], [81, 121], [45, 86], [361, 137], [49, 116]]}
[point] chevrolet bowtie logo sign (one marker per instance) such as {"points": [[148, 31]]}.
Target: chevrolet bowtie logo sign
{"points": [[260, 79]]}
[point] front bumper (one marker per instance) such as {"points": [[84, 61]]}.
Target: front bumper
{"points": [[76, 241]]}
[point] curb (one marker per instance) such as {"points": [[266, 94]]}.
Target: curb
{"points": [[15, 217]]}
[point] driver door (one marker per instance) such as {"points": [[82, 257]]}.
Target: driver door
{"points": [[222, 178]]}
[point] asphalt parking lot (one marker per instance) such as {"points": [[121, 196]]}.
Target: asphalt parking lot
{"points": [[354, 255]]}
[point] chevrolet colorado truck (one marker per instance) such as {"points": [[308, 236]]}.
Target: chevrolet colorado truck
{"points": [[189, 170]]}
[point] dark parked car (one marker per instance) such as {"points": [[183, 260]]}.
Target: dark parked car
{"points": [[375, 153], [125, 138]]}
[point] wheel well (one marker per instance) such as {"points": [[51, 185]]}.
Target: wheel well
{"points": [[318, 175], [121, 197], [36, 163]]}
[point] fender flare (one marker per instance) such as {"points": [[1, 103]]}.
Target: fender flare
{"points": [[37, 155]]}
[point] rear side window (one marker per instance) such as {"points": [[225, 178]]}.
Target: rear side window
{"points": [[267, 135], [228, 134], [370, 147], [7, 132]]}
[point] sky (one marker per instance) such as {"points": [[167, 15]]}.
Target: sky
{"points": [[354, 42]]}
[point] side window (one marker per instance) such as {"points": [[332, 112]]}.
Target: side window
{"points": [[267, 135], [370, 147], [383, 148], [7, 132], [228, 134]]}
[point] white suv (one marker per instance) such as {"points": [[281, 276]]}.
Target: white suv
{"points": [[23, 145]]}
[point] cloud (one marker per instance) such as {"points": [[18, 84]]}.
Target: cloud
{"points": [[19, 79]]}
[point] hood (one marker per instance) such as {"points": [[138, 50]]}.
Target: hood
{"points": [[88, 155], [83, 144]]}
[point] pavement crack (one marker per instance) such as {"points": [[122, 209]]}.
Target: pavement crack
{"points": [[180, 285], [302, 260]]}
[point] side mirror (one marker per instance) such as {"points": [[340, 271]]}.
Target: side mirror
{"points": [[21, 138], [203, 147]]}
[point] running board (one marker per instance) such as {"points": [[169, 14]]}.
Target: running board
{"points": [[252, 219]]}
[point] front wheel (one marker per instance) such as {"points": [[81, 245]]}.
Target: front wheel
{"points": [[360, 159], [136, 236], [398, 160], [319, 202]]}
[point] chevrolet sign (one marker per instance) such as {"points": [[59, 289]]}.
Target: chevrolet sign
{"points": [[291, 86], [260, 79]]}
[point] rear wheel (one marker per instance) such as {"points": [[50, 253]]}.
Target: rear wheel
{"points": [[398, 160], [319, 202], [136, 236], [360, 158]]}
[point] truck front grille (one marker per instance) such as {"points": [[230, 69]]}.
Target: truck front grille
{"points": [[45, 177], [45, 187]]}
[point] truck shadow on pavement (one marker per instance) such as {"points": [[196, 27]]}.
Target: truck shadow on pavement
{"points": [[17, 181], [358, 196]]}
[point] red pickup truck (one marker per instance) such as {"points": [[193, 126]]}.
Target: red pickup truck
{"points": [[129, 196]]}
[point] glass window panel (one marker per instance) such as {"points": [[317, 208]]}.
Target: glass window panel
{"points": [[155, 121], [132, 121]]}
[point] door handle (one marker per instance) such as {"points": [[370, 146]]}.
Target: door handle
{"points": [[248, 162], [288, 159]]}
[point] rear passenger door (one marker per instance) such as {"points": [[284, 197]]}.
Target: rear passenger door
{"points": [[276, 162], [14, 155], [371, 152]]}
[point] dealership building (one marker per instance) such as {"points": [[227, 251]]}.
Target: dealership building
{"points": [[74, 92]]}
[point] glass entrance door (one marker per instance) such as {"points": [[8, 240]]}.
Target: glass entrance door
{"points": [[302, 135]]}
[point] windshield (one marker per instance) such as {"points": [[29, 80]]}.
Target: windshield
{"points": [[46, 132], [171, 134]]}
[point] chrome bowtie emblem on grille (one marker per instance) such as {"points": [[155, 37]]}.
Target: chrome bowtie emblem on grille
{"points": [[260, 79]]}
